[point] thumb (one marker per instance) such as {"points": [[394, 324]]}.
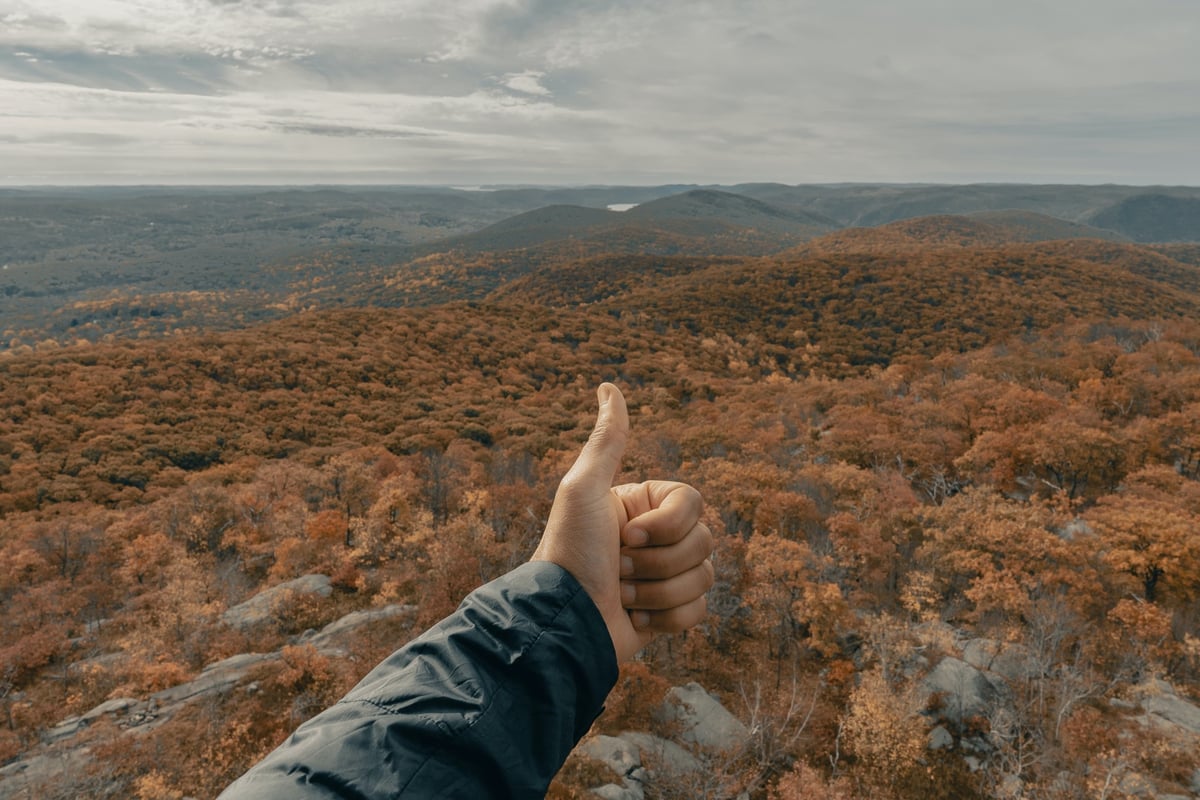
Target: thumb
{"points": [[601, 457]]}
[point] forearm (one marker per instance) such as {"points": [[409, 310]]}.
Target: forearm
{"points": [[488, 703]]}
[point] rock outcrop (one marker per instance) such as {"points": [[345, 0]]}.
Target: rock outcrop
{"points": [[260, 608], [978, 685], [623, 757], [327, 640], [703, 720], [1012, 662], [707, 730], [59, 755], [964, 690], [1163, 705]]}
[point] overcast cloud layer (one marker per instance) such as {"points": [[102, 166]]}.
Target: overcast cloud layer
{"points": [[599, 91]]}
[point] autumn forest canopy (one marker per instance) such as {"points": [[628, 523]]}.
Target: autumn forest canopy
{"points": [[918, 435]]}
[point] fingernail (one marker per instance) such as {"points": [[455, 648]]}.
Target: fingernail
{"points": [[636, 537], [604, 394], [626, 566], [639, 619], [628, 593]]}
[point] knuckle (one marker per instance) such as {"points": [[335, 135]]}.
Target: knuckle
{"points": [[572, 479]]}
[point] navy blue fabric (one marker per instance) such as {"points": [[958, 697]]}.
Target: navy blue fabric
{"points": [[486, 704]]}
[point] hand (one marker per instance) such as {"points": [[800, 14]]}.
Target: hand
{"points": [[639, 550]]}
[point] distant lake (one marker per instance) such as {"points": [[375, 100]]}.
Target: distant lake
{"points": [[621, 206]]}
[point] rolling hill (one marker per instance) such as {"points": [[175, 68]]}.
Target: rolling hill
{"points": [[1153, 217], [1030, 226], [691, 225], [696, 220], [87, 263], [708, 206], [867, 296], [868, 205], [993, 228], [534, 227]]}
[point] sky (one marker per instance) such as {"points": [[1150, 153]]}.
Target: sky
{"points": [[568, 92]]}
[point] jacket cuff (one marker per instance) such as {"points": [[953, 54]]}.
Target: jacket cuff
{"points": [[571, 645]]}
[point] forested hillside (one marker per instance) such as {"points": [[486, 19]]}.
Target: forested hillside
{"points": [[910, 440], [86, 263]]}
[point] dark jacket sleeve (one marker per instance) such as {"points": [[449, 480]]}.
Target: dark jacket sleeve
{"points": [[486, 704]]}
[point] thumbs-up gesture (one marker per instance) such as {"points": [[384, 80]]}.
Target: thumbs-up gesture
{"points": [[639, 549]]}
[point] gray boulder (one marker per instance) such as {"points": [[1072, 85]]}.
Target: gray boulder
{"points": [[1176, 711], [611, 791], [1010, 788], [260, 608], [623, 758], [703, 720], [706, 729], [667, 757], [1135, 785], [1160, 700], [1011, 661], [326, 639], [965, 690], [940, 739], [619, 755], [216, 678]]}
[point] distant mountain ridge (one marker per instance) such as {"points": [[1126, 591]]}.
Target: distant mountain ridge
{"points": [[1153, 217], [868, 205], [773, 217], [702, 214], [735, 208], [536, 227], [80, 264]]}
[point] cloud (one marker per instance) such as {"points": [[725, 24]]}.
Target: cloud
{"points": [[247, 135], [608, 90], [324, 129], [528, 82], [30, 21]]}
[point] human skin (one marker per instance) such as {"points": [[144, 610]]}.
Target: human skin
{"points": [[638, 549]]}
